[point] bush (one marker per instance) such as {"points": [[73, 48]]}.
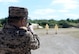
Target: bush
{"points": [[64, 24], [0, 25]]}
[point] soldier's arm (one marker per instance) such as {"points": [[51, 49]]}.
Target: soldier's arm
{"points": [[34, 41]]}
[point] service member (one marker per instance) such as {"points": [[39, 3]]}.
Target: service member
{"points": [[14, 36]]}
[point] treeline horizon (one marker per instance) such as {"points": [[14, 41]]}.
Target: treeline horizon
{"points": [[51, 22], [61, 23]]}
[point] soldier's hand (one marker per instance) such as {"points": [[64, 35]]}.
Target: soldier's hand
{"points": [[23, 28]]}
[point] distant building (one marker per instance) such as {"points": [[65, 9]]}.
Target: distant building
{"points": [[36, 26]]}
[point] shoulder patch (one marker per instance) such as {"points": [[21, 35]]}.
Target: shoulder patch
{"points": [[21, 32]]}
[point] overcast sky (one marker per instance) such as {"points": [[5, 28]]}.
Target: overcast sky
{"points": [[44, 9]]}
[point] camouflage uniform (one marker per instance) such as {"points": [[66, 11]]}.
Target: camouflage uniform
{"points": [[16, 40]]}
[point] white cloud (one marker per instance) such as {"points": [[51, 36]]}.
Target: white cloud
{"points": [[63, 11], [43, 17], [72, 15], [68, 4], [9, 1], [44, 11]]}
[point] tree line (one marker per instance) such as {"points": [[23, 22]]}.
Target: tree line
{"points": [[51, 22], [61, 23]]}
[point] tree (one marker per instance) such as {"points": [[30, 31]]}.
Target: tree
{"points": [[64, 24], [68, 19]]}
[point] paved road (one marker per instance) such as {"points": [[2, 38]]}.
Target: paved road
{"points": [[57, 44]]}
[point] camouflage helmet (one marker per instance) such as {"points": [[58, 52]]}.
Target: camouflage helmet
{"points": [[18, 12]]}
